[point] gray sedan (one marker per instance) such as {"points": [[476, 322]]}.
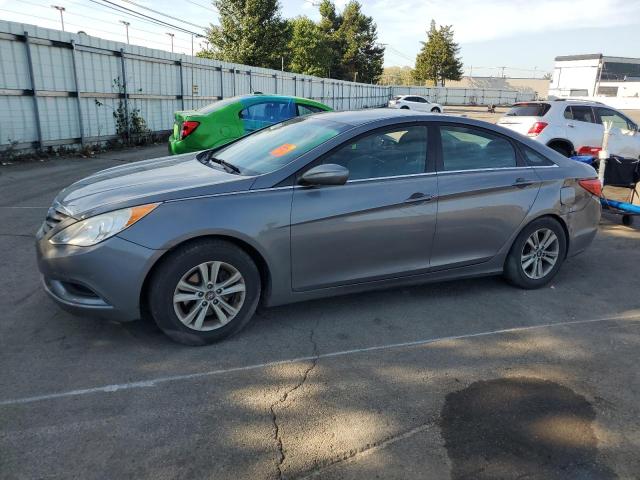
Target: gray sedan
{"points": [[313, 207]]}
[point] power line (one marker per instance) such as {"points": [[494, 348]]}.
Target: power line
{"points": [[101, 20], [163, 14], [202, 6], [142, 16]]}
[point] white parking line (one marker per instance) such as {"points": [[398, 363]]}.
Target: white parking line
{"points": [[159, 380], [18, 207]]}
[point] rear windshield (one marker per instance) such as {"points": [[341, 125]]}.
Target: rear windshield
{"points": [[274, 147], [212, 107], [529, 110]]}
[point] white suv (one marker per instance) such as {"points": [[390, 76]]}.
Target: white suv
{"points": [[415, 102], [570, 126]]}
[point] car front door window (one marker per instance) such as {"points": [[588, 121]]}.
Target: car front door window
{"points": [[260, 115], [388, 153], [617, 120]]}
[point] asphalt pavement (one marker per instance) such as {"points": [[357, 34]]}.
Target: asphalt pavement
{"points": [[468, 379]]}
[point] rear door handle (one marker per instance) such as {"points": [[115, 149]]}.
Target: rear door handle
{"points": [[419, 197], [522, 182], [570, 125]]}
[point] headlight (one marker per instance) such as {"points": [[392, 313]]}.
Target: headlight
{"points": [[96, 229]]}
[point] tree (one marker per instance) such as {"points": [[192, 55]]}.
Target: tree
{"points": [[439, 59], [251, 32], [397, 76], [309, 49], [352, 37]]}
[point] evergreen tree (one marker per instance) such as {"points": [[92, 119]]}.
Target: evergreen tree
{"points": [[309, 50], [251, 32], [352, 37], [438, 60], [362, 57]]}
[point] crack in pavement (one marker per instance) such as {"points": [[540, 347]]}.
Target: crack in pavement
{"points": [[367, 449], [283, 398]]}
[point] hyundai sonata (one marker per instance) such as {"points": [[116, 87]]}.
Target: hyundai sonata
{"points": [[313, 207]]}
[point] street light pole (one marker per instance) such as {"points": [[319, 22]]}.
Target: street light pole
{"points": [[126, 26], [60, 9], [171, 35]]}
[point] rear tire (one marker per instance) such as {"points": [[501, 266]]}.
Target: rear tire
{"points": [[404, 108], [536, 254], [200, 273]]}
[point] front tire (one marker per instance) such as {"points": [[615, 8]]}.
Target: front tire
{"points": [[537, 254], [204, 292], [435, 110], [404, 108]]}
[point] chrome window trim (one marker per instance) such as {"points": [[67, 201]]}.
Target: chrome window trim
{"points": [[390, 177], [494, 169]]}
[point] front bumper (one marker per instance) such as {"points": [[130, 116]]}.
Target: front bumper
{"points": [[104, 280]]}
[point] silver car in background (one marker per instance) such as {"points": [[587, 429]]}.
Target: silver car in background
{"points": [[313, 207]]}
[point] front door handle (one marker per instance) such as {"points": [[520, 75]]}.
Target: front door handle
{"points": [[419, 197], [570, 125], [522, 182]]}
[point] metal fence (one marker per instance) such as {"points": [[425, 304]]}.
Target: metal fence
{"points": [[59, 88], [466, 96]]}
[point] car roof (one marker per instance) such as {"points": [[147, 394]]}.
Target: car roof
{"points": [[268, 96], [368, 115]]}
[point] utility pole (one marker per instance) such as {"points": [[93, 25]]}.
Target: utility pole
{"points": [[192, 44], [502, 75], [126, 27], [355, 77], [60, 9], [171, 35], [282, 65]]}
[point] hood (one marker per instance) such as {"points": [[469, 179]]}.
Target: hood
{"points": [[148, 181]]}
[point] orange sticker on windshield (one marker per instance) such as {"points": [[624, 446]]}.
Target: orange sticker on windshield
{"points": [[283, 149]]}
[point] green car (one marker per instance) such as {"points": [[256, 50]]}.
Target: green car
{"points": [[221, 122]]}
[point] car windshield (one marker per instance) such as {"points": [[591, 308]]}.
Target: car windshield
{"points": [[274, 147], [529, 110]]}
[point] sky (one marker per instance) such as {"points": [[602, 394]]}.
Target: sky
{"points": [[524, 36]]}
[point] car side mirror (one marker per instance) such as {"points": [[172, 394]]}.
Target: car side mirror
{"points": [[328, 174]]}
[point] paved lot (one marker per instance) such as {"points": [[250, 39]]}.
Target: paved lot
{"points": [[469, 379]]}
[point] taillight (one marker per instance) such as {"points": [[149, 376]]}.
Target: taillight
{"points": [[589, 151], [592, 185], [188, 128], [536, 128]]}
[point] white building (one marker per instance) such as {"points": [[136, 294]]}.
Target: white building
{"points": [[595, 75]]}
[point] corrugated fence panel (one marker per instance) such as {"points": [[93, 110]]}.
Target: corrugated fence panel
{"points": [[158, 83]]}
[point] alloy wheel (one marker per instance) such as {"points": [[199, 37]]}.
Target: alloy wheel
{"points": [[209, 296], [540, 253]]}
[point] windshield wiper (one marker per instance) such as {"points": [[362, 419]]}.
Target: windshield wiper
{"points": [[226, 165]]}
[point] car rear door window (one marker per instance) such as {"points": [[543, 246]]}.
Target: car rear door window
{"points": [[582, 113], [617, 120], [469, 148], [307, 109], [384, 153], [528, 110]]}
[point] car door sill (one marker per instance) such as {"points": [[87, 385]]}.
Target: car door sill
{"points": [[417, 277]]}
